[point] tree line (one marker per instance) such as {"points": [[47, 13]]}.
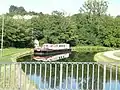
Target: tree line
{"points": [[91, 26]]}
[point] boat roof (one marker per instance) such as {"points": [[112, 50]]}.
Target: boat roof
{"points": [[56, 44]]}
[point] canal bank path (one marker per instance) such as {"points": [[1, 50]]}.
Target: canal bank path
{"points": [[113, 54]]}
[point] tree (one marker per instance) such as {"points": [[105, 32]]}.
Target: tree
{"points": [[90, 27], [95, 7], [17, 10], [118, 16], [32, 13], [13, 9], [58, 13]]}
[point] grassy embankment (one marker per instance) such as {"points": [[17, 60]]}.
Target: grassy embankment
{"points": [[9, 76], [9, 53], [99, 57]]}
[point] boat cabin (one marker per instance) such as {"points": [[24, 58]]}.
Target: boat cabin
{"points": [[56, 46]]}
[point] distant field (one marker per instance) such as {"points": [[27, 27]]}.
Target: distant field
{"points": [[8, 52]]}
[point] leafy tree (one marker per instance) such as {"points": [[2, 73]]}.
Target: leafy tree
{"points": [[97, 7], [92, 26], [17, 10]]}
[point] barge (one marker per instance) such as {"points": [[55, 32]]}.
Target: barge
{"points": [[52, 49], [49, 52]]}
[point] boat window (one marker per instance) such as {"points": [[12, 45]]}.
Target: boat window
{"points": [[61, 46]]}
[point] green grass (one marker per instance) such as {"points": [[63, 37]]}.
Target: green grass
{"points": [[9, 52], [99, 57], [11, 81], [91, 48]]}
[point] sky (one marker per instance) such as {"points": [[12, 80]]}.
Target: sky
{"points": [[47, 6]]}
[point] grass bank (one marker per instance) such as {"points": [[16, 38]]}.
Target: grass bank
{"points": [[8, 53], [10, 73], [117, 54], [99, 57]]}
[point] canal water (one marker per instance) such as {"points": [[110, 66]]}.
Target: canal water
{"points": [[71, 80]]}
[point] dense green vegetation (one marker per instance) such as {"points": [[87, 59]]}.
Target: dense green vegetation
{"points": [[92, 26], [91, 49]]}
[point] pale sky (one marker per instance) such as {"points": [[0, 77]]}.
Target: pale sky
{"points": [[47, 6]]}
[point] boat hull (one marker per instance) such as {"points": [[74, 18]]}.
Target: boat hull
{"points": [[50, 52]]}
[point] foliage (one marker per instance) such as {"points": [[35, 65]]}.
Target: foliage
{"points": [[95, 7], [91, 49], [92, 26], [17, 10]]}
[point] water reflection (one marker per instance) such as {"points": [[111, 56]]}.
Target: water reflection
{"points": [[73, 57], [51, 57], [114, 85], [71, 79]]}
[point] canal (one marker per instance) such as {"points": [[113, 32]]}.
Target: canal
{"points": [[47, 76]]}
